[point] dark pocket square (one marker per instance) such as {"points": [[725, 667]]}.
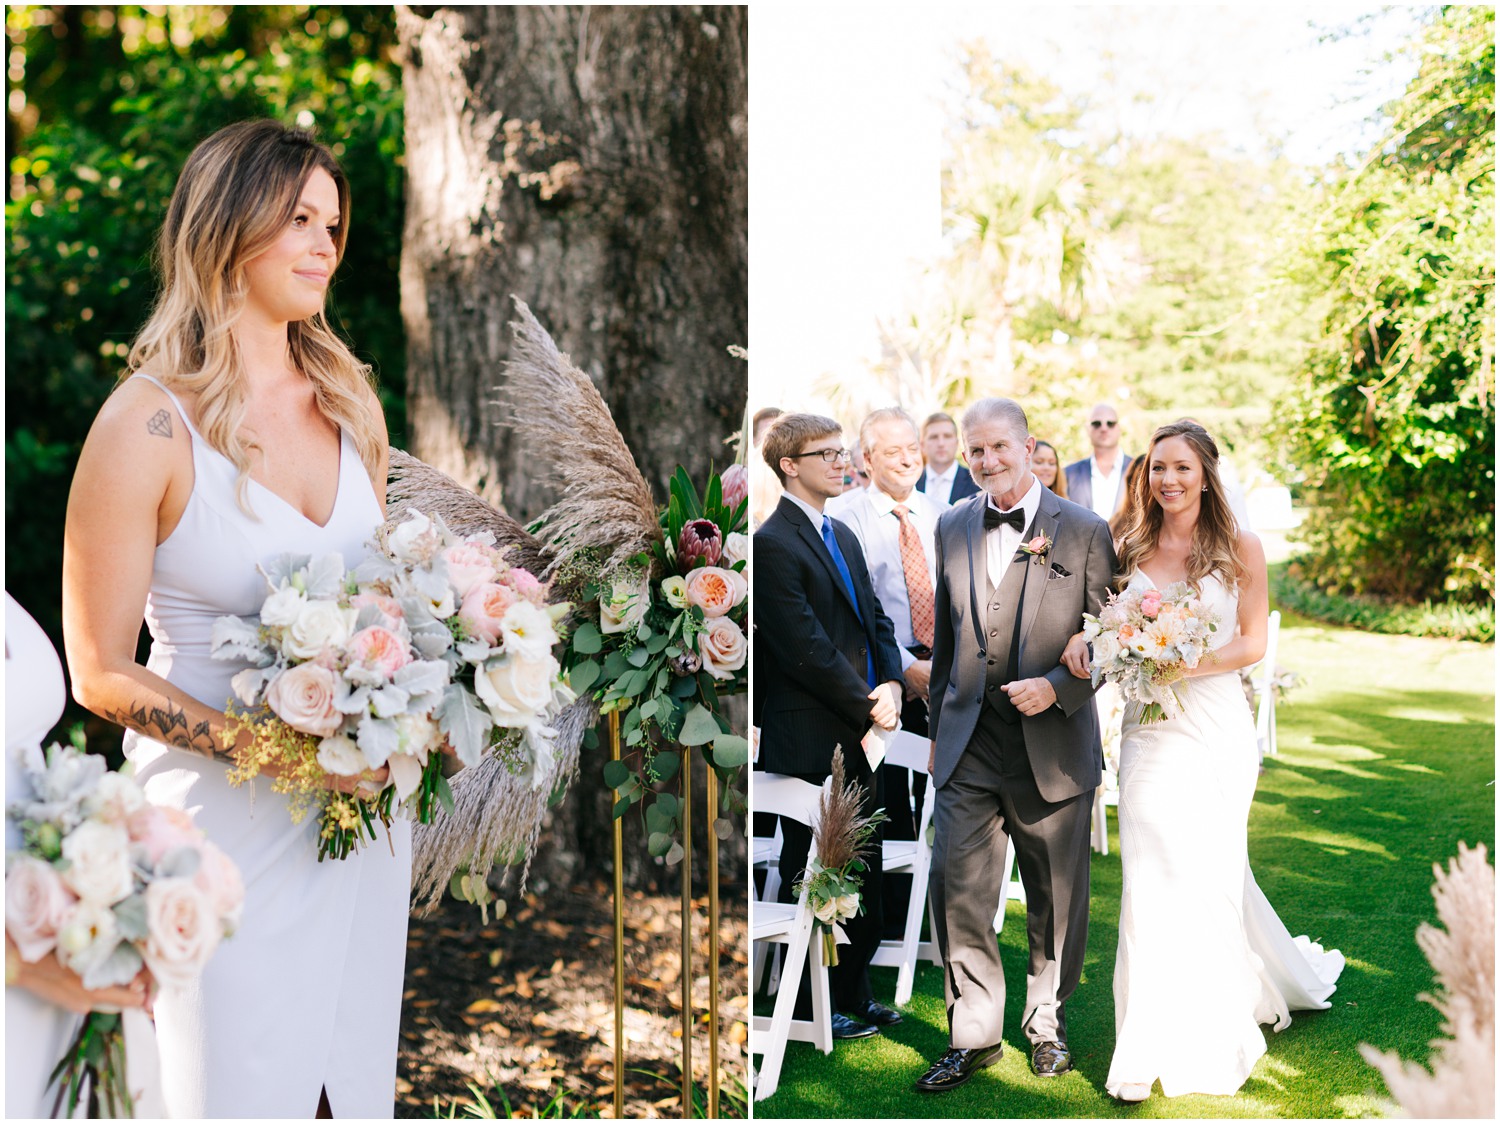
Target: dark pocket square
{"points": [[1059, 572]]}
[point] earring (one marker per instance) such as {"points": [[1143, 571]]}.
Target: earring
{"points": [[1205, 487]]}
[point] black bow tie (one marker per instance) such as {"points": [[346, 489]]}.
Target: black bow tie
{"points": [[1016, 517]]}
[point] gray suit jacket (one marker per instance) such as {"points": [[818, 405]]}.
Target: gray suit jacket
{"points": [[1080, 478], [1062, 743]]}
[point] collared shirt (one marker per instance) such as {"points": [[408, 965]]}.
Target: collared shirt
{"points": [[1002, 543], [870, 514], [940, 484], [812, 513], [1106, 487]]}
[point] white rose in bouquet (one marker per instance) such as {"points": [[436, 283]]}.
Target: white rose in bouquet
{"points": [[115, 798], [848, 906], [36, 903], [320, 625], [282, 607], [526, 631], [736, 548], [303, 698], [88, 935], [516, 691], [624, 607], [417, 539], [183, 930], [827, 911], [98, 856], [340, 756], [721, 645]]}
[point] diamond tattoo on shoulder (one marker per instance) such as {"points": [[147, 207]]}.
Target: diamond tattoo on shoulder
{"points": [[160, 424]]}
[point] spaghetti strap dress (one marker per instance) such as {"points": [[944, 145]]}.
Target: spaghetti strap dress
{"points": [[306, 996]]}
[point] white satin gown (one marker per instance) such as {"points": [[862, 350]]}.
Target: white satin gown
{"points": [[1202, 959], [306, 995], [36, 1032]]}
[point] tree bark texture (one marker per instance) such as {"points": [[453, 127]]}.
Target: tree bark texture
{"points": [[593, 162]]}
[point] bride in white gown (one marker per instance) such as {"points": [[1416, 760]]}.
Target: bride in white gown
{"points": [[1202, 959]]}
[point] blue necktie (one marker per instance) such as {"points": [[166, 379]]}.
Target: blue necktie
{"points": [[832, 544]]}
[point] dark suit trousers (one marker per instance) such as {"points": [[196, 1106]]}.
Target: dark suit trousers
{"points": [[901, 789], [990, 803], [849, 982]]}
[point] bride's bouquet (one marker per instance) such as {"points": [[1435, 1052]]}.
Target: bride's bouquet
{"points": [[111, 884], [336, 687], [1146, 641]]}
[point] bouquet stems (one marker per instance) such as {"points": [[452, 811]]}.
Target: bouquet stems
{"points": [[96, 1057]]}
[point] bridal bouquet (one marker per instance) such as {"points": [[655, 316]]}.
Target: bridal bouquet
{"points": [[111, 884], [337, 686], [670, 639], [840, 836], [1146, 641]]}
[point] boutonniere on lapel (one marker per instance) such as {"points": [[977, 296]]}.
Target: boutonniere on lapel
{"points": [[1037, 548]]}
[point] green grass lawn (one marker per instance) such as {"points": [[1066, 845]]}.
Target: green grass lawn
{"points": [[1387, 760]]}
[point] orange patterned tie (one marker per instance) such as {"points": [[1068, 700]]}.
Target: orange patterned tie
{"points": [[918, 584]]}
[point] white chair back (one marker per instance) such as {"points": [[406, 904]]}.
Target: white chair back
{"points": [[1264, 678]]}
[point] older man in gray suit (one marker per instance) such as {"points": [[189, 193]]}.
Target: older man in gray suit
{"points": [[1016, 754]]}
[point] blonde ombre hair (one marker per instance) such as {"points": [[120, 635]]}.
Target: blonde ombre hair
{"points": [[1216, 537], [236, 194]]}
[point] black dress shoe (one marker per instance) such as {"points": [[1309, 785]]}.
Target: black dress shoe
{"points": [[845, 1027], [879, 1014], [1048, 1059], [957, 1066]]}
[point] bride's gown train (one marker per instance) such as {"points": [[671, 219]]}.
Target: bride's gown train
{"points": [[306, 995], [1202, 959]]}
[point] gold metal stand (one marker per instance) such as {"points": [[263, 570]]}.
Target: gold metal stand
{"points": [[713, 945], [614, 750], [687, 932]]}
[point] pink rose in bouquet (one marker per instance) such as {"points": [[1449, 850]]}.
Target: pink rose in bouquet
{"points": [[469, 564], [36, 902], [302, 697], [1150, 604], [184, 930], [219, 879], [528, 586], [378, 649], [716, 591], [721, 644], [485, 607], [159, 829], [390, 608]]}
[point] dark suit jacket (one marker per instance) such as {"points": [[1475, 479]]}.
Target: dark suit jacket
{"points": [[963, 483], [1080, 478], [811, 648], [1062, 743]]}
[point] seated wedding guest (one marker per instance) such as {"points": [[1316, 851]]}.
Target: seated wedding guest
{"points": [[765, 489], [1098, 481], [826, 668], [895, 525], [1046, 467], [945, 478]]}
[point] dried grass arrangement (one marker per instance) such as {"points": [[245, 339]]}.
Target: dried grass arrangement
{"points": [[842, 837], [1461, 1083]]}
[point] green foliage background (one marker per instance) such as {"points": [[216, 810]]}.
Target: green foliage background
{"points": [[105, 105]]}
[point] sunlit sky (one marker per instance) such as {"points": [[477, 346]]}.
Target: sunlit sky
{"points": [[847, 111]]}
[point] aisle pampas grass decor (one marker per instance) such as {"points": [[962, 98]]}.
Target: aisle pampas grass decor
{"points": [[842, 834], [560, 418], [1461, 1083]]}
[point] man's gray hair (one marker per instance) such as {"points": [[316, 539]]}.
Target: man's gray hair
{"points": [[875, 417], [1006, 410]]}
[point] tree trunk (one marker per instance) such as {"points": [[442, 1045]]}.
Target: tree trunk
{"points": [[591, 161]]}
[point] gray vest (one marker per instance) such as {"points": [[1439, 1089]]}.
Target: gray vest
{"points": [[1002, 620]]}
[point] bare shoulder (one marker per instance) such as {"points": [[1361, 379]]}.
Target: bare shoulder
{"points": [[141, 420], [377, 412], [1251, 546]]}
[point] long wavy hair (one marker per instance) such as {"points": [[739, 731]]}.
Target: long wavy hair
{"points": [[1216, 537], [237, 192]]}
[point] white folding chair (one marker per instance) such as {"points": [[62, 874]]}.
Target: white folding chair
{"points": [[914, 857], [765, 855], [1099, 833], [790, 925], [1264, 679]]}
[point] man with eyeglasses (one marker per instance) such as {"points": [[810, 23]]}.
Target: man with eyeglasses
{"points": [[1098, 481], [827, 667]]}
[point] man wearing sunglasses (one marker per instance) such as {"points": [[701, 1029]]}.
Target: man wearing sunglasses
{"points": [[1098, 481]]}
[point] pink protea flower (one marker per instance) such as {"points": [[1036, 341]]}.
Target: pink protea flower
{"points": [[735, 485], [699, 539]]}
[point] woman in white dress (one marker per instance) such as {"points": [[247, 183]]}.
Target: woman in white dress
{"points": [[43, 1000], [1202, 957], [245, 429]]}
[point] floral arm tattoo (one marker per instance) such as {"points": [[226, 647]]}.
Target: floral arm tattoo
{"points": [[169, 725]]}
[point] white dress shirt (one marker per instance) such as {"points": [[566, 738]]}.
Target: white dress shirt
{"points": [[1002, 543], [812, 513], [870, 514], [1106, 487], [940, 484]]}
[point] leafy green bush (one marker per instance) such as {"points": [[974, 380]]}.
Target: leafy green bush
{"points": [[1392, 419], [1449, 619]]}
